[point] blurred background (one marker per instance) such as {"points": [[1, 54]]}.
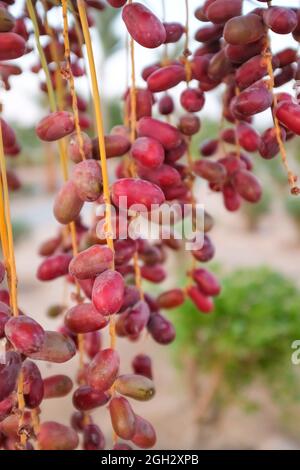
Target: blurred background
{"points": [[228, 382]]}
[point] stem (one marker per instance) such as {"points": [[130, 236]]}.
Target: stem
{"points": [[132, 166], [99, 120], [54, 54], [267, 54], [187, 52], [33, 18], [100, 130], [8, 238], [71, 77], [9, 254]]}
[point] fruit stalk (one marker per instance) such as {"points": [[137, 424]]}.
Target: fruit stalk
{"points": [[267, 54]]}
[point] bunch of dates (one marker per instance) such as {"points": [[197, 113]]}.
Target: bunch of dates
{"points": [[155, 167]]}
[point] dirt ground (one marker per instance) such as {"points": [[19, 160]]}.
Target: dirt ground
{"points": [[275, 244]]}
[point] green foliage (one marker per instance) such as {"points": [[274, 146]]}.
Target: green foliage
{"points": [[249, 334]]}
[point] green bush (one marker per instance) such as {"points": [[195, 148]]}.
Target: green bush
{"points": [[249, 335]]}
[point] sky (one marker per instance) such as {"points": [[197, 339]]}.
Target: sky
{"points": [[21, 104]]}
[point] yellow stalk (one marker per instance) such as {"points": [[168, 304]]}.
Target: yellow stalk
{"points": [[267, 54], [71, 77], [8, 251], [100, 131], [33, 18], [53, 49], [99, 120]]}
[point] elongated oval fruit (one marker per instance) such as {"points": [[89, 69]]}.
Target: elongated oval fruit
{"points": [[247, 185], [206, 281], [280, 20], [87, 398], [49, 246], [9, 373], [288, 114], [116, 145], [130, 192], [145, 436], [209, 147], [122, 417], [220, 11], [243, 30], [189, 124], [143, 25], [74, 148], [103, 369], [67, 204], [252, 71], [155, 273], [238, 54], [148, 152], [209, 33], [142, 365], [33, 386], [25, 334], [135, 386], [56, 436], [248, 137], [219, 66], [174, 32], [55, 348], [55, 126], [192, 100], [166, 105], [253, 100], [57, 386], [93, 438], [166, 77], [212, 171], [53, 267], [232, 200], [7, 21], [206, 253], [269, 146], [108, 292], [161, 329], [8, 134], [87, 178], [91, 262], [144, 103], [171, 298], [167, 135], [84, 318], [202, 302], [165, 175], [12, 46], [136, 318]]}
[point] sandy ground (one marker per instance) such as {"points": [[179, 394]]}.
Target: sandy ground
{"points": [[171, 411]]}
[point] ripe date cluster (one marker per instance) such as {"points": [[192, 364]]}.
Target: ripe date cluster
{"points": [[155, 165]]}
